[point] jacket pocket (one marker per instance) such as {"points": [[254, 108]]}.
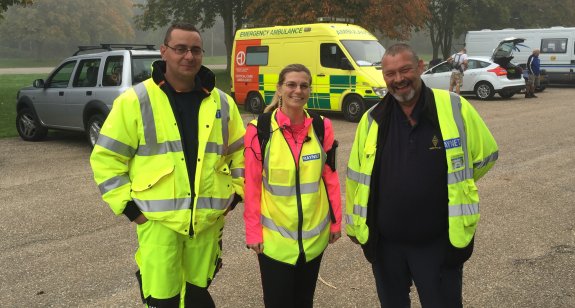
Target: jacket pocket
{"points": [[145, 180]]}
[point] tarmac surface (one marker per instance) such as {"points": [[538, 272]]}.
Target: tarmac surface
{"points": [[61, 246]]}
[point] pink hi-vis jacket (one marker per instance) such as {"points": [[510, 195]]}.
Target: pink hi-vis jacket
{"points": [[295, 135]]}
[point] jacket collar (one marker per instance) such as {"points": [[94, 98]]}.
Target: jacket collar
{"points": [[284, 121], [383, 109]]}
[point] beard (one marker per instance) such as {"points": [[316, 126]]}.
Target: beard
{"points": [[405, 97]]}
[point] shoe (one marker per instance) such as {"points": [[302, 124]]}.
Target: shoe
{"points": [[533, 96]]}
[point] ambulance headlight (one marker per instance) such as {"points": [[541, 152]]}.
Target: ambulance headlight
{"points": [[380, 91]]}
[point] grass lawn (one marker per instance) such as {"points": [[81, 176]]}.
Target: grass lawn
{"points": [[12, 83], [10, 86]]}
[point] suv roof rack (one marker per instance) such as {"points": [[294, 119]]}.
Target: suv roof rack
{"points": [[110, 47]]}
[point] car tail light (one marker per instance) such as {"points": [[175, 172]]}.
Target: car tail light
{"points": [[499, 71]]}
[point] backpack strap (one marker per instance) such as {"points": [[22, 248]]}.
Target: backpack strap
{"points": [[263, 129], [318, 126]]}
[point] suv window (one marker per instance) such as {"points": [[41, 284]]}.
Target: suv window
{"points": [[113, 71], [141, 68], [87, 73], [61, 78]]}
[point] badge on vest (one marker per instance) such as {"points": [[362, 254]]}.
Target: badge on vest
{"points": [[457, 162], [218, 114], [310, 157], [452, 143]]}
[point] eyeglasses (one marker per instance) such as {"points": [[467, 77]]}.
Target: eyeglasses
{"points": [[182, 50], [293, 86]]}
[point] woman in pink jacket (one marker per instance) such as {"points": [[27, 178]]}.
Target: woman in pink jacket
{"points": [[292, 198]]}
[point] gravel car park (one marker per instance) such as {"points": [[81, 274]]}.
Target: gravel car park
{"points": [[79, 93]]}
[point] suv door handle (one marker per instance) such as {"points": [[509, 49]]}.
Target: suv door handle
{"points": [[321, 75], [89, 93], [61, 93]]}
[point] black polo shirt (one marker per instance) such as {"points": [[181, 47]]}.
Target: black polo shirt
{"points": [[186, 108], [412, 197]]}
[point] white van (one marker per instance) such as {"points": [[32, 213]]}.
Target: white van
{"points": [[557, 46]]}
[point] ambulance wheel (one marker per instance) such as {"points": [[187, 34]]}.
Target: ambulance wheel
{"points": [[353, 108], [255, 103]]}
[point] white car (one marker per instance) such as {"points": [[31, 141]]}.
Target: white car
{"points": [[484, 76]]}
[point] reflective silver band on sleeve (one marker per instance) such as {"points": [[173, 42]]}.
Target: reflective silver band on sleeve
{"points": [[116, 146], [358, 177], [463, 209], [360, 211], [491, 158], [113, 183]]}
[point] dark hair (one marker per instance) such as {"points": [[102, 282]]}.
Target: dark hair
{"points": [[399, 48], [180, 26], [282, 77]]}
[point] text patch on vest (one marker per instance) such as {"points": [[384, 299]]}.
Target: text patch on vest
{"points": [[452, 143], [310, 157]]}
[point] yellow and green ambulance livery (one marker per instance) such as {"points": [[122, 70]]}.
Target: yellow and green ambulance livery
{"points": [[344, 59]]}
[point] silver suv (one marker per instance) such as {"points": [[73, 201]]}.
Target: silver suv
{"points": [[79, 93]]}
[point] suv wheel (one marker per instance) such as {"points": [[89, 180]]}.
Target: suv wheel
{"points": [[255, 103], [484, 90], [28, 126], [93, 128], [353, 108]]}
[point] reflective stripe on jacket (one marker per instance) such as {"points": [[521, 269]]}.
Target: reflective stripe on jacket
{"points": [[470, 150], [139, 157], [294, 201]]}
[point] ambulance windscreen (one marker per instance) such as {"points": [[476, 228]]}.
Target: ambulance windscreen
{"points": [[364, 53]]}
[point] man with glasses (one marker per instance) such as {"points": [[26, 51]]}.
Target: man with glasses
{"points": [[411, 194], [170, 158]]}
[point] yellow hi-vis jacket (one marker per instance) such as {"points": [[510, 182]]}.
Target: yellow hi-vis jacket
{"points": [[470, 152], [294, 203], [139, 157]]}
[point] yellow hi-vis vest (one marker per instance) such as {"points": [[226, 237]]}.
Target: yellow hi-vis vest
{"points": [[294, 202], [139, 157], [470, 152]]}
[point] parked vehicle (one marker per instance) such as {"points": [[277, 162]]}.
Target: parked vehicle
{"points": [[484, 76], [79, 93], [344, 60], [556, 45]]}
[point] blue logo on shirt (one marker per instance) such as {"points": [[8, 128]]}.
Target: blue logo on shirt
{"points": [[310, 157], [452, 143], [218, 114]]}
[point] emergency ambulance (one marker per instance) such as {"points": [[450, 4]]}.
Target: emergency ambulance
{"points": [[344, 60]]}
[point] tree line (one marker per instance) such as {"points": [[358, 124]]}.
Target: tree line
{"points": [[39, 25]]}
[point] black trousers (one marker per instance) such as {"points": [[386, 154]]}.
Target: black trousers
{"points": [[398, 264], [286, 285]]}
